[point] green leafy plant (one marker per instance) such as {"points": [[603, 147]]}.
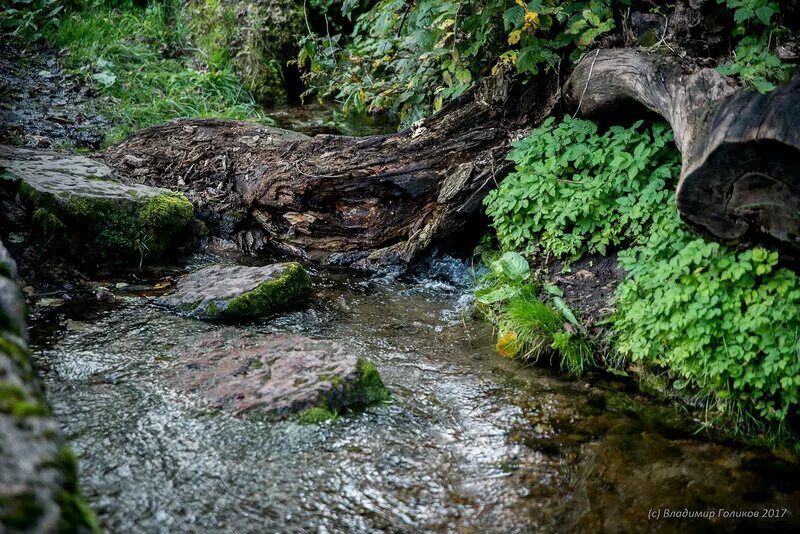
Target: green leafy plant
{"points": [[754, 62], [724, 321], [527, 327], [139, 60], [410, 58], [29, 18], [576, 191]]}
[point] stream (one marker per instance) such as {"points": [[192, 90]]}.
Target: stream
{"points": [[470, 442]]}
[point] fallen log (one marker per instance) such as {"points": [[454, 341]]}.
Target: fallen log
{"points": [[365, 202], [740, 177]]}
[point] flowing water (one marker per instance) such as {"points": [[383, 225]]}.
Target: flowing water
{"points": [[469, 443]]}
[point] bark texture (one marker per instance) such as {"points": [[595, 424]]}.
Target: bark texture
{"points": [[366, 202], [740, 177]]}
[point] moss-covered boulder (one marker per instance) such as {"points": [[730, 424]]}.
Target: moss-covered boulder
{"points": [[240, 292], [38, 480], [258, 37], [77, 209], [278, 377]]}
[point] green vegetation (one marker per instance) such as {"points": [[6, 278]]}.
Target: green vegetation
{"points": [[142, 63], [316, 415], [16, 402], [367, 390], [257, 44], [288, 291], [371, 389], [589, 193], [724, 322], [29, 18], [410, 58], [758, 28], [707, 319], [20, 512], [527, 327]]}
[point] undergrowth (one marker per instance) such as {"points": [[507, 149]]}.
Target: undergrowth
{"points": [[528, 328], [143, 65], [758, 29], [716, 324], [724, 322], [412, 57], [576, 191]]}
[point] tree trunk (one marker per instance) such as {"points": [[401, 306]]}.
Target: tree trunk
{"points": [[740, 178], [365, 202]]}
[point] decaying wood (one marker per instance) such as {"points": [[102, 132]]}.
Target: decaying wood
{"points": [[740, 177], [366, 201]]}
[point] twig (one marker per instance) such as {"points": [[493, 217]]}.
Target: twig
{"points": [[588, 79], [409, 3]]}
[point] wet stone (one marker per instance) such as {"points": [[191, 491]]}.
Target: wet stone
{"points": [[240, 292], [38, 488], [72, 203], [278, 377]]}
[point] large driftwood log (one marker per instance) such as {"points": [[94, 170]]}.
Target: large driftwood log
{"points": [[366, 202], [740, 178]]}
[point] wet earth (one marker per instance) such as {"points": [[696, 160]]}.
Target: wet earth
{"points": [[469, 443], [41, 105]]}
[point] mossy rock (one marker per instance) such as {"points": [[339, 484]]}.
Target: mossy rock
{"points": [[79, 212], [38, 472], [235, 292], [277, 377], [367, 389]]}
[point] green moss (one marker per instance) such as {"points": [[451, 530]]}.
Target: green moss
{"points": [[167, 220], [371, 385], [648, 39], [76, 516], [15, 401], [109, 230], [9, 395], [20, 511], [46, 222], [654, 384], [287, 291], [257, 46], [317, 414], [211, 310], [26, 409], [18, 354]]}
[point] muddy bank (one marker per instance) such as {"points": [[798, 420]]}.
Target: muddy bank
{"points": [[38, 472]]}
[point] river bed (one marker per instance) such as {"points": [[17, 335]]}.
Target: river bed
{"points": [[470, 442]]}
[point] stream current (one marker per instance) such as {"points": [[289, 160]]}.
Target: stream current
{"points": [[469, 443]]}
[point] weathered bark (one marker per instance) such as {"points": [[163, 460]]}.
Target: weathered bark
{"points": [[740, 178], [344, 200]]}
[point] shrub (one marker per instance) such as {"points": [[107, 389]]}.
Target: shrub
{"points": [[576, 191], [754, 62], [725, 321], [412, 57]]}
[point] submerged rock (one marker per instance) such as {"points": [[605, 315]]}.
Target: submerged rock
{"points": [[38, 479], [278, 377], [238, 291], [73, 204]]}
